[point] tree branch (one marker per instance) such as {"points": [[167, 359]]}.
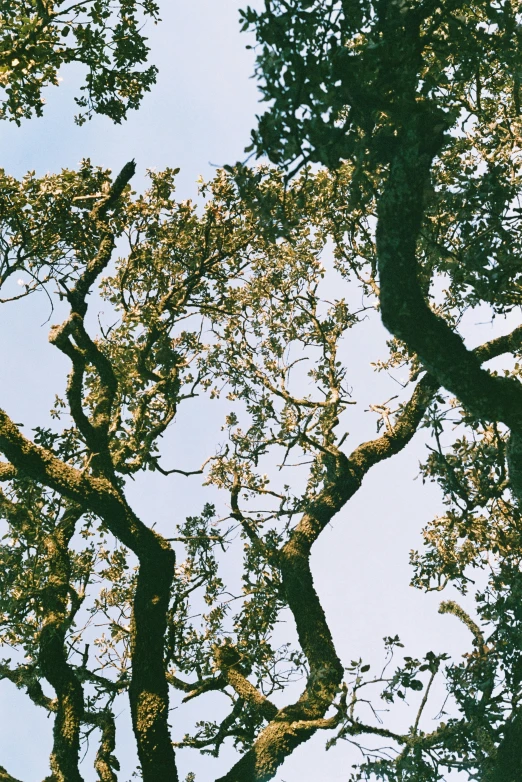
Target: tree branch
{"points": [[148, 689], [7, 471], [405, 312], [105, 762], [194, 689], [95, 431], [228, 661]]}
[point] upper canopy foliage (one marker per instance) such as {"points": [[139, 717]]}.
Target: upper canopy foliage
{"points": [[38, 37], [344, 80], [330, 72]]}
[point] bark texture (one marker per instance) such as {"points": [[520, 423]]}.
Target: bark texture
{"points": [[405, 312], [148, 690], [53, 654]]}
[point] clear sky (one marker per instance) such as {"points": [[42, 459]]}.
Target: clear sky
{"points": [[198, 116]]}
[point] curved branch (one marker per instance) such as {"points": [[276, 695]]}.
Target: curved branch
{"points": [[451, 607], [390, 443], [405, 312], [98, 214], [227, 660], [95, 431], [105, 762], [296, 723], [25, 676], [195, 689]]}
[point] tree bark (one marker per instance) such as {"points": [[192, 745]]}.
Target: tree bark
{"points": [[148, 691], [405, 312]]}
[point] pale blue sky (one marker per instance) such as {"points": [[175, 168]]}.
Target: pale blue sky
{"points": [[200, 113]]}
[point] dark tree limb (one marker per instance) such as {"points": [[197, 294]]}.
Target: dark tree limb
{"points": [[195, 689], [405, 312], [53, 658], [392, 442], [296, 723], [83, 350], [148, 690], [25, 677]]}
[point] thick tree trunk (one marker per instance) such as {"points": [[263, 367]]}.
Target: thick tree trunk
{"points": [[148, 690], [506, 766]]}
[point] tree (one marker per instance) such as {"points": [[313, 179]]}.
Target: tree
{"points": [[245, 299]]}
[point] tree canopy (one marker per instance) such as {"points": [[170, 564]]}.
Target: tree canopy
{"points": [[39, 36], [393, 131]]}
